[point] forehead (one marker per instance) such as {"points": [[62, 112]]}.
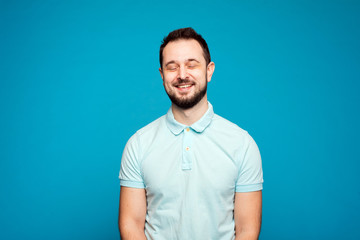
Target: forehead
{"points": [[182, 50]]}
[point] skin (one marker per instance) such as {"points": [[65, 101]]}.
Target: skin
{"points": [[184, 59], [247, 215], [132, 213]]}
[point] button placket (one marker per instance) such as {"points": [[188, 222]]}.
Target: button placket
{"points": [[187, 151]]}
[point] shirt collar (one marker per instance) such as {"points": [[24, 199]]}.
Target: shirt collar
{"points": [[199, 126]]}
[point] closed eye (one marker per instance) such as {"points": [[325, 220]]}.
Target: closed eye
{"points": [[171, 67], [192, 63]]}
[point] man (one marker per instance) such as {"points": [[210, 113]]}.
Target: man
{"points": [[189, 174]]}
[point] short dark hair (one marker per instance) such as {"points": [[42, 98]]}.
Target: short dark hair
{"points": [[185, 33]]}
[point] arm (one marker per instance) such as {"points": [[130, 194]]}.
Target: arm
{"points": [[247, 215], [132, 212]]}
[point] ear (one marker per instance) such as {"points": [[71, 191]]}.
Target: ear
{"points": [[161, 73], [210, 70]]}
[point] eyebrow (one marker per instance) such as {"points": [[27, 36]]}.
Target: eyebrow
{"points": [[189, 60], [169, 63], [192, 59]]}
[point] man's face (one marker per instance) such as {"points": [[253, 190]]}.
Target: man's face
{"points": [[184, 72]]}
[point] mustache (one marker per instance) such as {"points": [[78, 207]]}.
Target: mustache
{"points": [[183, 81]]}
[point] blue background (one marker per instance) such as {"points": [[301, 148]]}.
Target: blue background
{"points": [[78, 78]]}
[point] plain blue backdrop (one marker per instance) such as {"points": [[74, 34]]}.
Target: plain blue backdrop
{"points": [[78, 78]]}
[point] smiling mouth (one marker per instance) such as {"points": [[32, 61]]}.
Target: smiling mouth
{"points": [[184, 86]]}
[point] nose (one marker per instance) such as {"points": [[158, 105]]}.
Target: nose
{"points": [[182, 72]]}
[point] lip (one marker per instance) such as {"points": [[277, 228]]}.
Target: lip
{"points": [[184, 87]]}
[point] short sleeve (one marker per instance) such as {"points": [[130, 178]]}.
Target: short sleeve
{"points": [[130, 171], [250, 176]]}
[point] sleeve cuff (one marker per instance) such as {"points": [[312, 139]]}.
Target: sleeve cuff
{"points": [[249, 188], [127, 183]]}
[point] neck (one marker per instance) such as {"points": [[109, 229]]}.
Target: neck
{"points": [[191, 115]]}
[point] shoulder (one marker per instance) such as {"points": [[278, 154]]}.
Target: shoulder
{"points": [[229, 128], [231, 136], [151, 127], [148, 130]]}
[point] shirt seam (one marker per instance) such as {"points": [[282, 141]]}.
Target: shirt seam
{"points": [[140, 157], [241, 161]]}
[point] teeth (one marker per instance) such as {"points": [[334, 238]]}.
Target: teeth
{"points": [[184, 86]]}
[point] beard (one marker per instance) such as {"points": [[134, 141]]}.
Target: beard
{"points": [[185, 102]]}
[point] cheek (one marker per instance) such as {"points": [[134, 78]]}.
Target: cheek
{"points": [[197, 73], [167, 82], [169, 78]]}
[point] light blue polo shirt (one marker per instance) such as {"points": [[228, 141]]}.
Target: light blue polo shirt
{"points": [[191, 174]]}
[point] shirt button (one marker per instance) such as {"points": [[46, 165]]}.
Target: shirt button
{"points": [[187, 148], [187, 129]]}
